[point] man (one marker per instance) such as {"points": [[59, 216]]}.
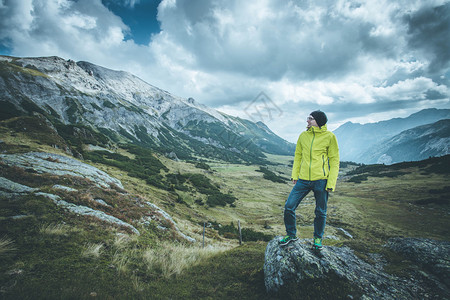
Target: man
{"points": [[316, 167]]}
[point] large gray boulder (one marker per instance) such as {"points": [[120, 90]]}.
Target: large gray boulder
{"points": [[298, 263]]}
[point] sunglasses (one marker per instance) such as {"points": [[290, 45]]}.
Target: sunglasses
{"points": [[309, 118]]}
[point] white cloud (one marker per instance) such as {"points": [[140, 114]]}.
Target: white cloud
{"points": [[303, 55], [409, 89], [80, 21]]}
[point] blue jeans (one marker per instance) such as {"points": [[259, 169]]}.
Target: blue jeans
{"points": [[299, 191]]}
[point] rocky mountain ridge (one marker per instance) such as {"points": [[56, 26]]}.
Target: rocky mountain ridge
{"points": [[127, 109], [413, 144], [63, 168], [356, 139]]}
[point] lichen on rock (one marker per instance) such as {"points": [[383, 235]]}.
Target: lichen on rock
{"points": [[298, 263], [56, 164]]}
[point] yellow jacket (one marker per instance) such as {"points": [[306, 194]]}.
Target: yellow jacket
{"points": [[317, 156]]}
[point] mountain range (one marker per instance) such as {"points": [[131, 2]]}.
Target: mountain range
{"points": [[83, 97], [396, 140], [414, 144], [105, 108]]}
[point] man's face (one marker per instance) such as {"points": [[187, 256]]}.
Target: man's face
{"points": [[311, 121]]}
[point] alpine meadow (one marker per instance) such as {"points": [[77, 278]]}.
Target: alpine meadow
{"points": [[112, 188]]}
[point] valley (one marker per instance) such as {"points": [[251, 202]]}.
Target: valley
{"points": [[47, 252]]}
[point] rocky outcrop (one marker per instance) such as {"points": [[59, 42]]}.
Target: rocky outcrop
{"points": [[433, 256], [56, 164], [169, 219], [10, 188], [60, 165], [87, 211], [85, 94], [298, 263]]}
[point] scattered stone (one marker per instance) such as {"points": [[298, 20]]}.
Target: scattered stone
{"points": [[345, 232], [15, 272], [167, 217], [173, 156], [19, 217], [97, 148], [64, 188], [331, 237], [102, 202]]}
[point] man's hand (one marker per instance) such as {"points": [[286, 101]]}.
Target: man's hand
{"points": [[329, 190], [294, 182]]}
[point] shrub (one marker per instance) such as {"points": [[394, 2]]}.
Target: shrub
{"points": [[220, 199], [358, 178], [145, 166], [269, 175], [202, 165], [202, 184]]}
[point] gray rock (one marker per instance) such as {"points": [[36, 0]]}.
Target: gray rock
{"points": [[432, 255], [102, 202], [64, 188], [87, 211], [56, 164], [346, 233], [169, 219], [18, 217], [9, 186], [297, 262]]}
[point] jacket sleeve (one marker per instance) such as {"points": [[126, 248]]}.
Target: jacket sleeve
{"points": [[297, 160], [333, 156]]}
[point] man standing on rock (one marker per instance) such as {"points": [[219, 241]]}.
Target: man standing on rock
{"points": [[316, 167]]}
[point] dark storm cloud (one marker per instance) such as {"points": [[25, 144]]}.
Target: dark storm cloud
{"points": [[359, 60], [429, 32], [306, 41]]}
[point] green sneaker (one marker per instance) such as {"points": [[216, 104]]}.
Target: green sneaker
{"points": [[317, 244], [286, 240]]}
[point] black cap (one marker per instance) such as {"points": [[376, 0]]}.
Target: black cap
{"points": [[320, 117]]}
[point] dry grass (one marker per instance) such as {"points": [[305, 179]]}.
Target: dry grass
{"points": [[172, 259], [120, 261], [138, 285], [92, 250], [122, 241], [55, 229], [6, 245]]}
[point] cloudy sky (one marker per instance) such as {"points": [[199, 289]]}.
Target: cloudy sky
{"points": [[268, 60]]}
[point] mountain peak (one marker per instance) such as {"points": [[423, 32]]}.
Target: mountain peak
{"points": [[131, 110]]}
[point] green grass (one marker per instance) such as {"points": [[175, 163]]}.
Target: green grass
{"points": [[14, 67], [50, 253], [235, 274]]}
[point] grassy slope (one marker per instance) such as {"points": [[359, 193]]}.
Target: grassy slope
{"points": [[43, 264]]}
